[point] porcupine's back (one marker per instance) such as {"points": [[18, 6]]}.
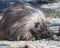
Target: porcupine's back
{"points": [[17, 22]]}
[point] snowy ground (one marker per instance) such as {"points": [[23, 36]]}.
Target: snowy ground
{"points": [[30, 44]]}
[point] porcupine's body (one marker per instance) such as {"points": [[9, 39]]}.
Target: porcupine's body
{"points": [[21, 22]]}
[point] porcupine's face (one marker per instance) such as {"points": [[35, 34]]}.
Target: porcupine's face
{"points": [[23, 23]]}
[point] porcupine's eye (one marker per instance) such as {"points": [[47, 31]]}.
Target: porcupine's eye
{"points": [[37, 28]]}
